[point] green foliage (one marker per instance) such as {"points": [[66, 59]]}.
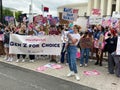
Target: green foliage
{"points": [[8, 12], [17, 14]]}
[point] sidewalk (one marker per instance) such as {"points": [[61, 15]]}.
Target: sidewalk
{"points": [[104, 81]]}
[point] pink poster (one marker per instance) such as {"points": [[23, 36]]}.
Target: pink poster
{"points": [[42, 68], [91, 73], [96, 12], [106, 21], [49, 65]]}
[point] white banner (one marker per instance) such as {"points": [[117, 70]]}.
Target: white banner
{"points": [[118, 46], [39, 45], [95, 20], [70, 14]]}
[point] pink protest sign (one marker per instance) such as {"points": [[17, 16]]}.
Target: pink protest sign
{"points": [[41, 68], [106, 21], [56, 66], [91, 73], [96, 12]]}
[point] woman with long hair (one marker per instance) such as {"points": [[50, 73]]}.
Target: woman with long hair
{"points": [[72, 50]]}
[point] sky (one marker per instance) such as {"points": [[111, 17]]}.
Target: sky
{"points": [[23, 5]]}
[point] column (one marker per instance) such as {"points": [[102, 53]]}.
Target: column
{"points": [[109, 7], [103, 7], [117, 5], [96, 4], [90, 6]]}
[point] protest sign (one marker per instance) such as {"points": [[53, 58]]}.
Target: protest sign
{"points": [[70, 14], [39, 45], [116, 14], [95, 20], [106, 21], [118, 47], [91, 73], [96, 12]]}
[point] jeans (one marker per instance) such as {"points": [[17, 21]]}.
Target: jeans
{"points": [[111, 63], [63, 52], [84, 52], [71, 56], [32, 57]]}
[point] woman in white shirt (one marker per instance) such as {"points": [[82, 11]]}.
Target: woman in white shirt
{"points": [[73, 39]]}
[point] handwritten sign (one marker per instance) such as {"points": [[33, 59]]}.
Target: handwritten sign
{"points": [[70, 14], [95, 20], [96, 12]]}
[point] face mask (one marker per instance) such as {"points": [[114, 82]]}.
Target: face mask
{"points": [[109, 34]]}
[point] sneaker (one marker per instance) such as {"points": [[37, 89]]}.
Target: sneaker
{"points": [[77, 77], [17, 60], [31, 61], [86, 65], [11, 59], [96, 63], [70, 74], [23, 60], [66, 64], [81, 65], [53, 60], [8, 59], [59, 62]]}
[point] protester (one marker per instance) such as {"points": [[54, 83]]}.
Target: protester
{"points": [[111, 44], [99, 44], [22, 31], [72, 50], [8, 57], [53, 31], [31, 32], [85, 44], [64, 40]]}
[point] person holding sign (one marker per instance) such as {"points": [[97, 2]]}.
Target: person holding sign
{"points": [[73, 40]]}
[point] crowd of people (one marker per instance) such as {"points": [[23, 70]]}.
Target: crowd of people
{"points": [[95, 39]]}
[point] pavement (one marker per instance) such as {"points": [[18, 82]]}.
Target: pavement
{"points": [[100, 81], [17, 78]]}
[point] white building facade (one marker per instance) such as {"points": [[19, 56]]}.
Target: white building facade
{"points": [[106, 6], [81, 6]]}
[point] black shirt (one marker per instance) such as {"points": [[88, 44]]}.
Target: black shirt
{"points": [[111, 44]]}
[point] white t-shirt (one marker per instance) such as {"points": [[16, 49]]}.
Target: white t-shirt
{"points": [[76, 36]]}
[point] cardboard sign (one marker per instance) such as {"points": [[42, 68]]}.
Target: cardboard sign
{"points": [[70, 14]]}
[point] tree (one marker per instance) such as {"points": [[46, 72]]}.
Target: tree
{"points": [[17, 14], [7, 12]]}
